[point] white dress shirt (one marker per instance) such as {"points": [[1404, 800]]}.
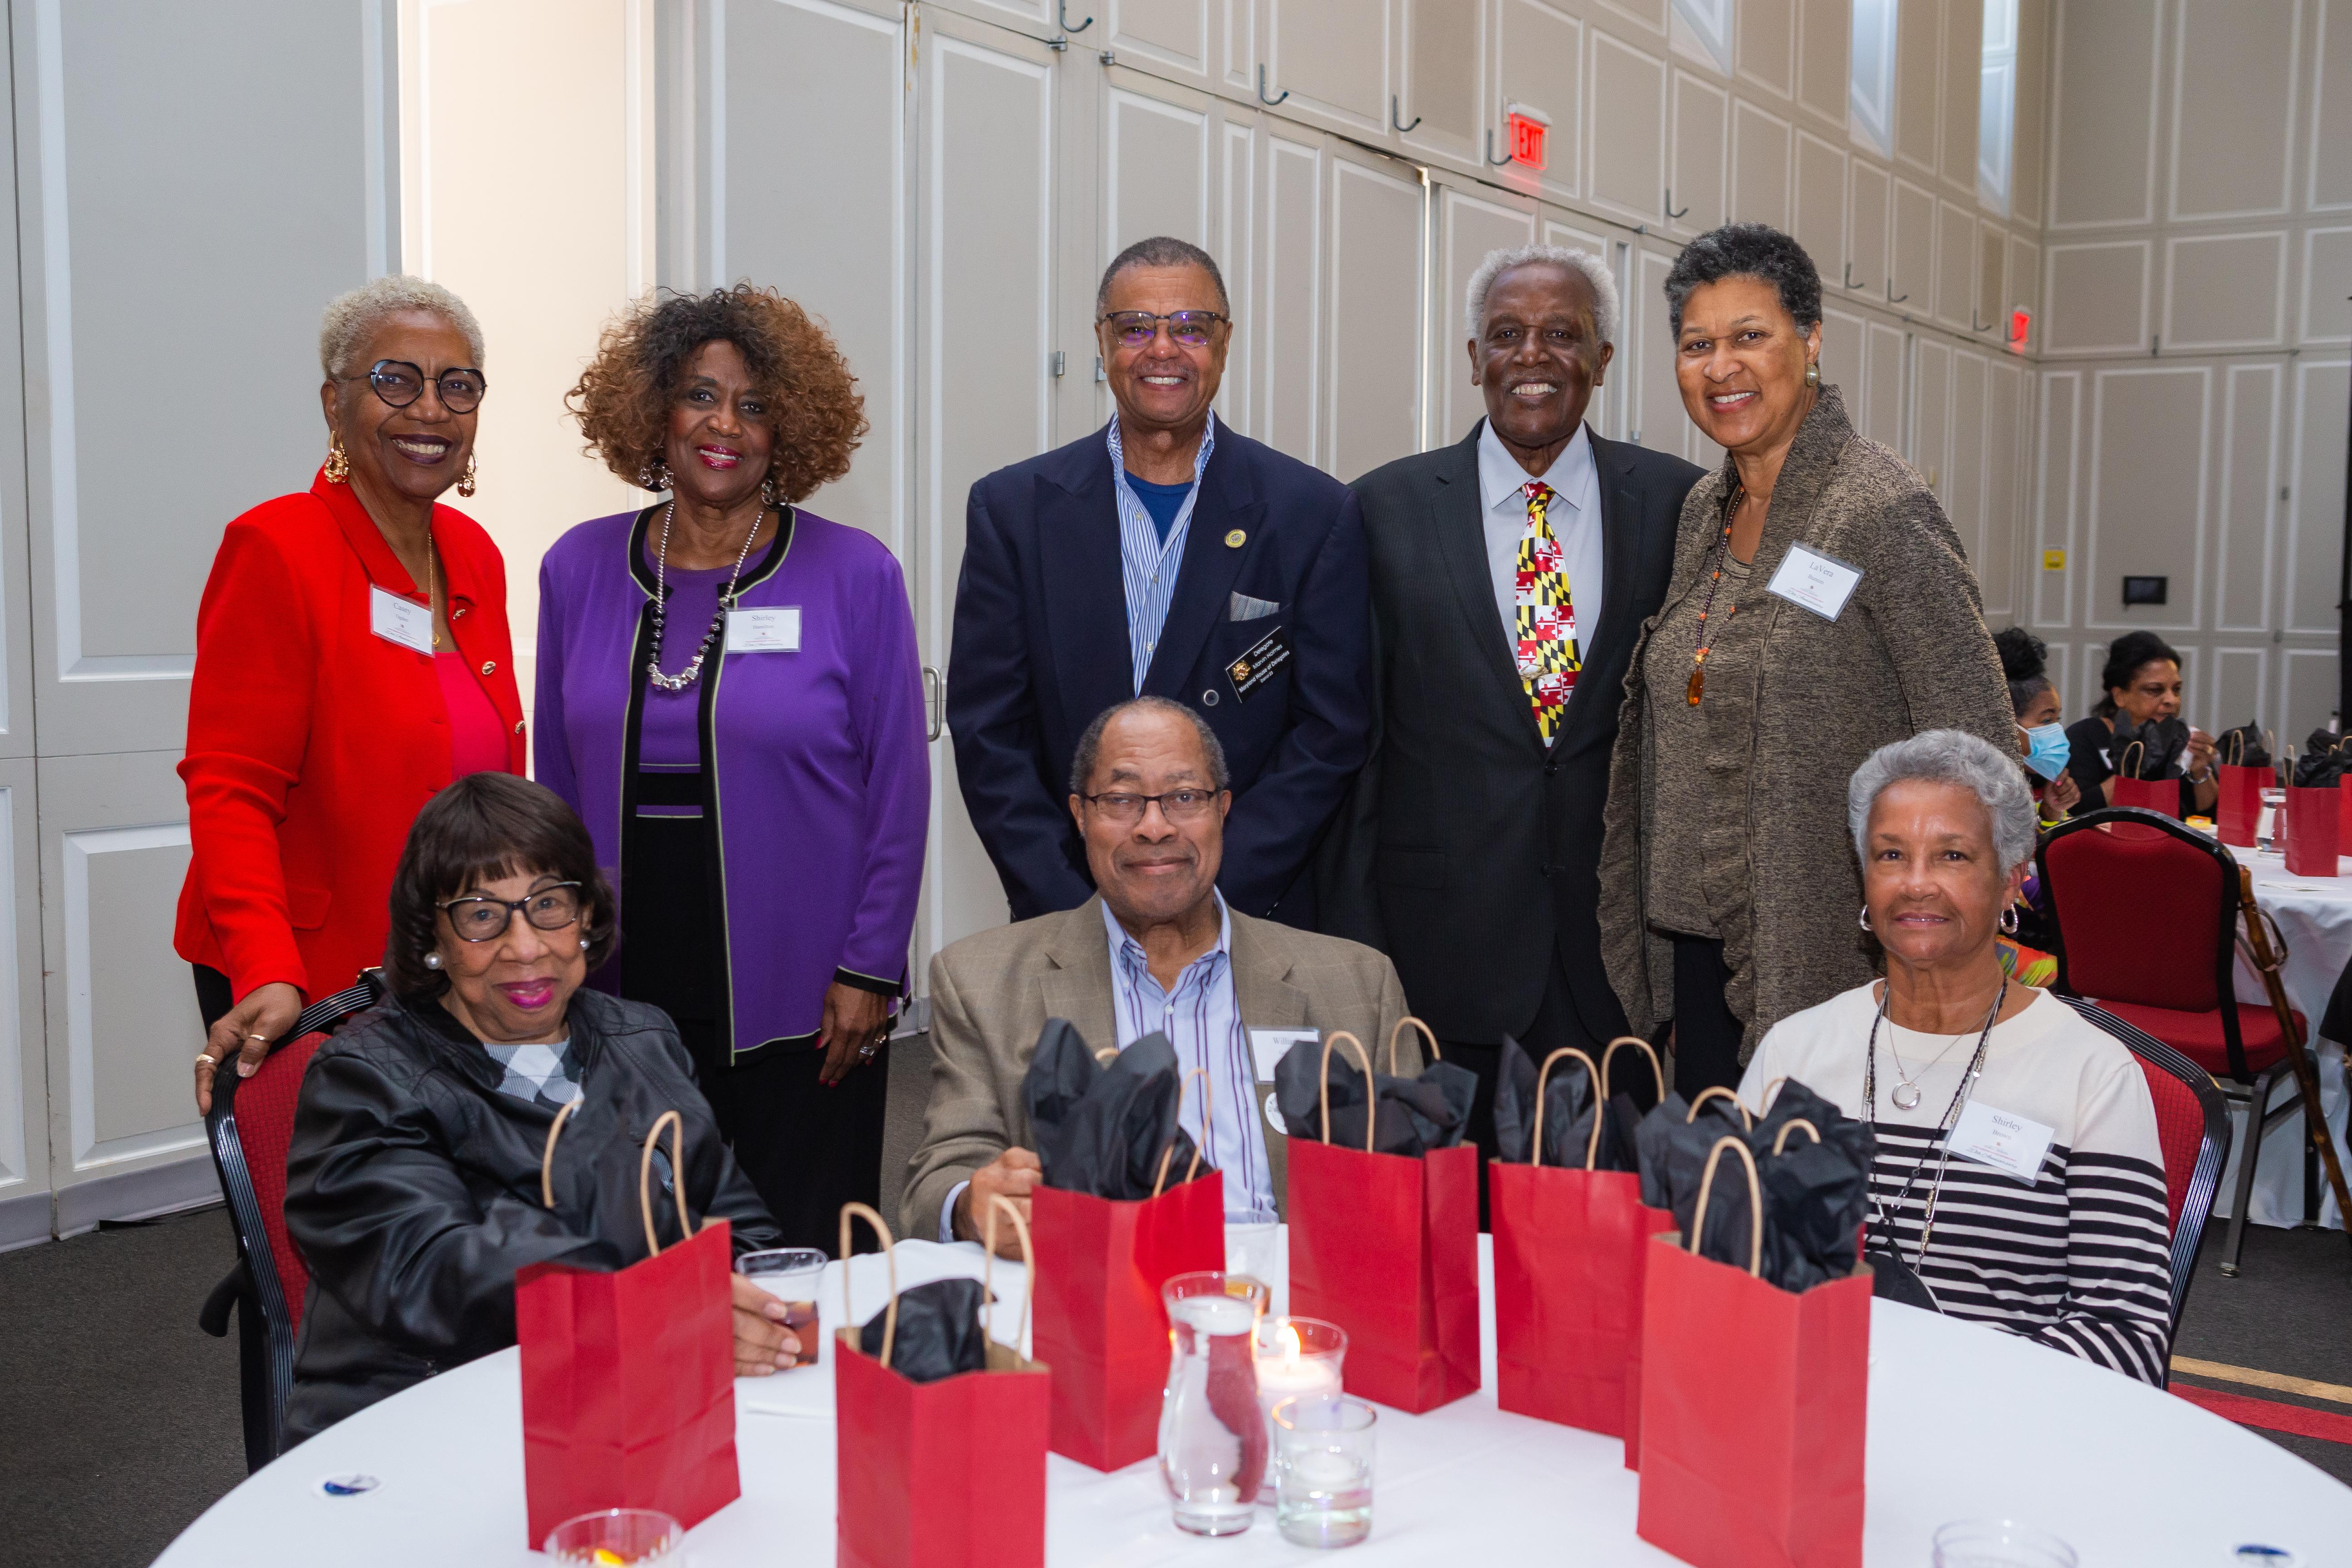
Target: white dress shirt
{"points": [[1576, 523]]}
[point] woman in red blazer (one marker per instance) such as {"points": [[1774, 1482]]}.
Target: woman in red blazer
{"points": [[333, 694]]}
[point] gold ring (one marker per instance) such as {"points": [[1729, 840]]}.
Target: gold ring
{"points": [[207, 1059], [263, 1038]]}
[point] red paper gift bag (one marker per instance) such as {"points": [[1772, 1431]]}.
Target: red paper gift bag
{"points": [[1387, 1247], [1568, 1249], [1101, 1325], [1753, 1405], [949, 1474], [2314, 818], [628, 1379], [2238, 803]]}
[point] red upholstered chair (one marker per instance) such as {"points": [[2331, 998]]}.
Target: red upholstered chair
{"points": [[2146, 919], [2192, 1126], [249, 1126]]}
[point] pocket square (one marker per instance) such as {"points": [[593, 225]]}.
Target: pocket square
{"points": [[1245, 608]]}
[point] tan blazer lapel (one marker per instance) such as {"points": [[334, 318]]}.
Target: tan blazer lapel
{"points": [[1077, 987], [1266, 1000]]}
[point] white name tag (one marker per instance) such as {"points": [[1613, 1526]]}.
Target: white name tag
{"points": [[404, 621], [1821, 584], [764, 631], [2013, 1145], [1267, 1047]]}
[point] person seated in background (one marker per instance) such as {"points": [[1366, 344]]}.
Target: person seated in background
{"points": [[414, 1176], [2142, 681], [2041, 747], [1155, 949], [2018, 1175]]}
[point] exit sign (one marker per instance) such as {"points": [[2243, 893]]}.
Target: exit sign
{"points": [[2021, 323], [1529, 127]]}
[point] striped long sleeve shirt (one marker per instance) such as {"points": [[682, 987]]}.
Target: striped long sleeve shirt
{"points": [[2078, 1257]]}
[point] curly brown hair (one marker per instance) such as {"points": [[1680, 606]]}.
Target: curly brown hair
{"points": [[624, 398]]}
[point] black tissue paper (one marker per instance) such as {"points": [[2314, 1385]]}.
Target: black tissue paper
{"points": [[937, 1334], [1104, 1128]]}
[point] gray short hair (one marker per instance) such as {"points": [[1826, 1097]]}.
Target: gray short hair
{"points": [[1605, 312], [351, 319], [1948, 757], [1089, 751], [1162, 251]]}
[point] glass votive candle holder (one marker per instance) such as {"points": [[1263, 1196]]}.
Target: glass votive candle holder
{"points": [[1323, 1471], [2000, 1543], [1298, 1358], [1214, 1447], [791, 1274], [622, 1536]]}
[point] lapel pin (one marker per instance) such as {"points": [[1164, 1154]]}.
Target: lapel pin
{"points": [[1235, 540]]}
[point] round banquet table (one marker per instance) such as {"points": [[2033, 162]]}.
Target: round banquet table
{"points": [[1964, 1422], [2315, 918]]}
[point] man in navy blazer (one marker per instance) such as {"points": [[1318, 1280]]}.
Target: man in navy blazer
{"points": [[1169, 555]]}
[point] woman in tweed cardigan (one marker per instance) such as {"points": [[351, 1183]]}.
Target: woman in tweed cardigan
{"points": [[1729, 888]]}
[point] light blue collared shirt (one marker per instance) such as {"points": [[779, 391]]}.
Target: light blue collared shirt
{"points": [[1148, 564]]}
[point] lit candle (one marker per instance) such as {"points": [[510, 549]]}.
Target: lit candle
{"points": [[1285, 1370]]}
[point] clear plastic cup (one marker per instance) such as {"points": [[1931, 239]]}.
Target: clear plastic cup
{"points": [[622, 1536], [2000, 1543], [790, 1275]]}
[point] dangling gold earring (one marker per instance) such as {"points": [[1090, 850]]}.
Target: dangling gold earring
{"points": [[466, 482], [1812, 373], [339, 467]]}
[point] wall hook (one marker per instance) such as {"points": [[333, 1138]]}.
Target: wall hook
{"points": [[1892, 297], [1063, 12], [1671, 213], [1262, 98], [1493, 161], [1395, 120], [1972, 322], [1849, 277]]}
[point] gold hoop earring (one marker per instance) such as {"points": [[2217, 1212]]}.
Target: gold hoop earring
{"points": [[338, 466], [1812, 373], [466, 479]]}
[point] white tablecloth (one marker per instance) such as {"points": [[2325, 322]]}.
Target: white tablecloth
{"points": [[1964, 1422], [2314, 916]]}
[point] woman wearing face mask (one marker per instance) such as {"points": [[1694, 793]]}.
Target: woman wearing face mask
{"points": [[2042, 740], [2142, 681]]}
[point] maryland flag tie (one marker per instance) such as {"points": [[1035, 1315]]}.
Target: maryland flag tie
{"points": [[1547, 642]]}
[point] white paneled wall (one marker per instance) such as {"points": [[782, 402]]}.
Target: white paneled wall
{"points": [[2195, 375]]}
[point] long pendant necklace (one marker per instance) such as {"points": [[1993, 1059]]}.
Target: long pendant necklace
{"points": [[1951, 1117], [692, 672], [1906, 1092], [1698, 686]]}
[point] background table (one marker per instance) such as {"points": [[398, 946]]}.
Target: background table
{"points": [[1964, 1422], [2314, 917]]}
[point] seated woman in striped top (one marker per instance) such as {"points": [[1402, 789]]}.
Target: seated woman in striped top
{"points": [[2018, 1171]]}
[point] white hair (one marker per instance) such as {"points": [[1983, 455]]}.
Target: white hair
{"points": [[1605, 313], [351, 319], [1948, 757]]}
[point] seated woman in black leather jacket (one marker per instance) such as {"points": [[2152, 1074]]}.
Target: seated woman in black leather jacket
{"points": [[413, 1181]]}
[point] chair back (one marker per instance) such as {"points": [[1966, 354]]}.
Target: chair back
{"points": [[250, 1127], [2147, 914], [2192, 1127]]}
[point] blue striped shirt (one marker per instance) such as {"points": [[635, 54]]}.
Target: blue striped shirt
{"points": [[1204, 1021], [1148, 562]]}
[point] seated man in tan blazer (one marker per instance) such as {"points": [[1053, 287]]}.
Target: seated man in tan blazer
{"points": [[1155, 949]]}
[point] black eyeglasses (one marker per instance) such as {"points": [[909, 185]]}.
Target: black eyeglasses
{"points": [[1176, 805], [551, 908], [400, 384], [1191, 328]]}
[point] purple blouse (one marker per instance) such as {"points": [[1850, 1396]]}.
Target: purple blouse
{"points": [[822, 785]]}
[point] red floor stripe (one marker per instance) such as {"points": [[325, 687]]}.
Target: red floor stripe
{"points": [[2270, 1414]]}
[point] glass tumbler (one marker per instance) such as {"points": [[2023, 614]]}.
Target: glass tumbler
{"points": [[1323, 1471], [622, 1535], [2000, 1543], [1213, 1435], [790, 1275]]}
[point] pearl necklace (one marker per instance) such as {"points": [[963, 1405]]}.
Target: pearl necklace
{"points": [[692, 672]]}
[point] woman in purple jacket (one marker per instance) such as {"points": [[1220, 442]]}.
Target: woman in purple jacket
{"points": [[730, 698]]}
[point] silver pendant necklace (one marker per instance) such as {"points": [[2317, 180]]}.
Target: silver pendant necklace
{"points": [[692, 672], [1905, 1095]]}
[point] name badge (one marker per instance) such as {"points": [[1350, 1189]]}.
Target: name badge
{"points": [[1267, 1045], [404, 621], [1258, 665], [775, 630], [1821, 584], [2013, 1145]]}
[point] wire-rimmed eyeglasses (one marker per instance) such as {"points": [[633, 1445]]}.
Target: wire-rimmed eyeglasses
{"points": [[476, 919], [400, 384], [1193, 329]]}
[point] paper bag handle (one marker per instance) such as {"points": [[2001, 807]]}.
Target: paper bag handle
{"points": [[1371, 1104], [547, 1158], [1746, 1121], [2127, 752], [1106, 1056], [1592, 1153], [1790, 1126], [2238, 742], [890, 1256], [676, 1125], [1165, 1154], [1409, 1020], [1772, 1092], [1657, 1073], [1028, 1264], [1755, 1201]]}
